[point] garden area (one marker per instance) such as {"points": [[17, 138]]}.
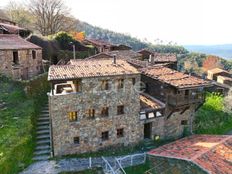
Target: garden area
{"points": [[18, 109], [213, 117]]}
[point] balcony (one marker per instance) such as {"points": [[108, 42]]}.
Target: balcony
{"points": [[183, 100]]}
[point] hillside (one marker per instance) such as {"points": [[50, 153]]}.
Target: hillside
{"points": [[224, 51]]}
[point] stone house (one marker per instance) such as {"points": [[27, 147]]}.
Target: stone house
{"points": [[225, 80], [182, 95], [214, 73], [94, 105], [155, 58], [198, 154], [19, 59]]}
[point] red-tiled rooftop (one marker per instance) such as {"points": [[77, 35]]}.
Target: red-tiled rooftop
{"points": [[174, 78], [125, 54], [211, 152], [98, 42], [90, 68], [13, 29], [148, 102], [217, 70], [11, 41]]}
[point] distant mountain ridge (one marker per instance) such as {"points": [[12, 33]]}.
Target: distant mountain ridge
{"points": [[224, 50]]}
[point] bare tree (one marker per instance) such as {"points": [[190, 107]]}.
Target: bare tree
{"points": [[228, 102], [18, 13], [51, 16]]}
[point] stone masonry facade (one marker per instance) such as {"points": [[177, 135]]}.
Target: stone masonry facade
{"points": [[89, 130], [165, 165], [26, 66]]}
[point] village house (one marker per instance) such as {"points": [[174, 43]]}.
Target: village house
{"points": [[212, 74], [9, 27], [19, 59], [93, 105], [155, 58], [198, 154], [182, 95]]}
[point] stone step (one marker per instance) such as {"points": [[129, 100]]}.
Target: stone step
{"points": [[42, 152], [42, 127], [41, 137], [40, 132], [43, 119], [40, 142], [41, 123], [41, 157], [44, 115], [42, 147], [44, 111]]}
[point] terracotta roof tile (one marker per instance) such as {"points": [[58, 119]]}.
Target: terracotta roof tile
{"points": [[211, 152], [90, 68], [217, 70], [173, 77], [98, 42], [11, 41], [125, 54], [13, 29]]}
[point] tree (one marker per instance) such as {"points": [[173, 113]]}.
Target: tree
{"points": [[211, 62], [51, 16], [19, 14]]}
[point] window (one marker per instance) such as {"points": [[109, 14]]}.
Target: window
{"points": [[104, 85], [120, 83], [133, 81], [33, 54], [120, 133], [105, 136], [105, 111], [91, 113], [72, 116], [76, 140], [15, 57], [184, 122], [186, 93], [120, 110]]}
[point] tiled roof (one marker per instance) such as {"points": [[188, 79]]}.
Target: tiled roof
{"points": [[164, 57], [173, 77], [217, 70], [12, 29], [11, 41], [98, 42], [99, 56], [148, 102], [159, 57], [90, 68], [211, 152], [125, 54]]}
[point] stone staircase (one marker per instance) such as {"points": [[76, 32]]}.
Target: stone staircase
{"points": [[43, 146]]}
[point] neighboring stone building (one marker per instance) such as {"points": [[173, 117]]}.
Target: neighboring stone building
{"points": [[94, 105], [197, 154], [19, 59], [214, 73], [155, 58], [225, 80], [182, 95]]}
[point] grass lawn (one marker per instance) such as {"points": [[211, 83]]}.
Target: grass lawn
{"points": [[139, 169], [16, 127], [211, 117]]}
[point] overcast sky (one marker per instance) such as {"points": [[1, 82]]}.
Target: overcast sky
{"points": [[182, 21]]}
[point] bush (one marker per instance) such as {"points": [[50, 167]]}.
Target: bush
{"points": [[211, 117]]}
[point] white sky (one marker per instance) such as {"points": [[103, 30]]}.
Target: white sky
{"points": [[181, 21]]}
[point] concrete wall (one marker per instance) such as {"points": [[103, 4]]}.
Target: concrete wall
{"points": [[27, 66], [89, 130]]}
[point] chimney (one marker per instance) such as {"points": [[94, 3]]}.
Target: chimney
{"points": [[114, 59], [151, 58]]}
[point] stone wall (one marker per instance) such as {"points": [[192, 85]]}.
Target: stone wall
{"points": [[89, 130], [27, 66], [163, 165]]}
